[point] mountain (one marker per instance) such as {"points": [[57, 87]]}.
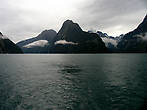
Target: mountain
{"points": [[136, 40], [7, 46], [72, 39], [110, 41], [39, 44]]}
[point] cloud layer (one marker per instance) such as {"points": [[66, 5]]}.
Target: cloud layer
{"points": [[64, 42], [21, 19]]}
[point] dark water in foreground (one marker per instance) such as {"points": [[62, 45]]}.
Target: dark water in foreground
{"points": [[73, 82]]}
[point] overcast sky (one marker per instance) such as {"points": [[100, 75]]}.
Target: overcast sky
{"points": [[21, 19]]}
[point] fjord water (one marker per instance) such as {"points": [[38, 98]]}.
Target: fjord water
{"points": [[73, 82]]}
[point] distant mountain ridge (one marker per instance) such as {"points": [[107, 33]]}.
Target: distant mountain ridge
{"points": [[132, 42], [72, 39]]}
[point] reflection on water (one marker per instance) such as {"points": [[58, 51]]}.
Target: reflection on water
{"points": [[77, 93], [69, 69], [9, 98], [73, 82]]}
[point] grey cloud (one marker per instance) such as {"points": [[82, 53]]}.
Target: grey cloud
{"points": [[19, 24], [143, 36], [107, 14]]}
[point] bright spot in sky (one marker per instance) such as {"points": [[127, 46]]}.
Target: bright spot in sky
{"points": [[50, 6]]}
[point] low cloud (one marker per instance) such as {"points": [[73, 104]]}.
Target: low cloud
{"points": [[40, 43], [64, 42], [144, 36], [108, 40]]}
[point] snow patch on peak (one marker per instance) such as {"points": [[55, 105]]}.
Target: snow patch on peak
{"points": [[107, 41], [40, 43]]}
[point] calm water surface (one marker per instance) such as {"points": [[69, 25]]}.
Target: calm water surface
{"points": [[73, 82]]}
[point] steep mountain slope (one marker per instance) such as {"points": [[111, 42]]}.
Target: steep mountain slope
{"points": [[7, 46], [135, 41], [39, 44], [110, 41], [72, 39]]}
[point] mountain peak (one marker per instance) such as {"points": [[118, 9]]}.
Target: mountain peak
{"points": [[69, 21], [67, 28], [70, 24], [73, 39], [48, 31], [47, 34]]}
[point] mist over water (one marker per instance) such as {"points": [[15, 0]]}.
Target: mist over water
{"points": [[73, 82]]}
